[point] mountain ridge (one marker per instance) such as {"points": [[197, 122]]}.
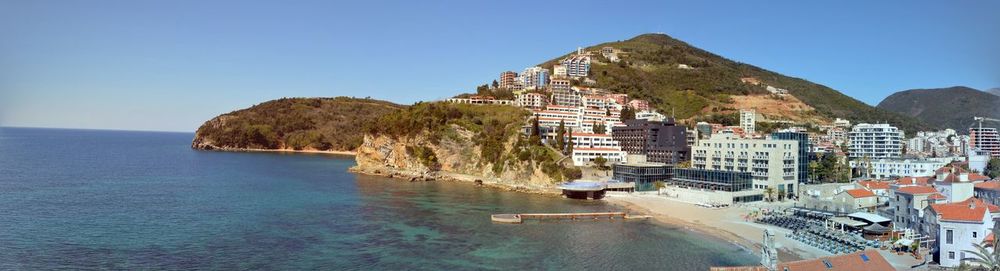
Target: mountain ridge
{"points": [[650, 69], [937, 106]]}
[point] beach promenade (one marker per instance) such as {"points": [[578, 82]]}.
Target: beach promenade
{"points": [[730, 224]]}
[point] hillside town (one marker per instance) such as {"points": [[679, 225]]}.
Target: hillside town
{"points": [[841, 187]]}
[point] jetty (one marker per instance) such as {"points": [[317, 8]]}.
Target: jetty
{"points": [[519, 218]]}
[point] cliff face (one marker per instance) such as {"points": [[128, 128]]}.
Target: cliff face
{"points": [[456, 158]]}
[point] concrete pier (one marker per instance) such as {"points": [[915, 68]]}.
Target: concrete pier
{"points": [[519, 218]]}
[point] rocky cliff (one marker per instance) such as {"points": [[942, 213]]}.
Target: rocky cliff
{"points": [[457, 157]]}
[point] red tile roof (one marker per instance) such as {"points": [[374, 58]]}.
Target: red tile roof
{"points": [[937, 196], [972, 209], [916, 190], [855, 261], [913, 180], [873, 185], [991, 185], [860, 193]]}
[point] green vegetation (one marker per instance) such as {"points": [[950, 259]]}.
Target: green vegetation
{"points": [[295, 123], [986, 256], [493, 127], [492, 124], [425, 155], [829, 170], [649, 70], [993, 168]]}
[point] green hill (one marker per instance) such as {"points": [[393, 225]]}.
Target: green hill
{"points": [[951, 107], [326, 124], [649, 70]]}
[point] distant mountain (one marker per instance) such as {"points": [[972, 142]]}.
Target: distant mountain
{"points": [[679, 78], [994, 91], [951, 107]]}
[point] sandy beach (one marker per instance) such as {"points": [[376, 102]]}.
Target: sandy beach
{"points": [[726, 223], [729, 224]]}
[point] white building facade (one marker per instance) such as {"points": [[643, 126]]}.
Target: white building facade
{"points": [[875, 141], [772, 163]]}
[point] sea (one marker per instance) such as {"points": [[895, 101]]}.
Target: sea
{"points": [[123, 200]]}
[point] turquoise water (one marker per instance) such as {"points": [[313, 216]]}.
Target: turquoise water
{"points": [[82, 199]]}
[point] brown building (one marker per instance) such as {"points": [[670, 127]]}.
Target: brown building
{"points": [[507, 79]]}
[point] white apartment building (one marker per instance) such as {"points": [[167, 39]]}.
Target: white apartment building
{"points": [[531, 100], [580, 119], [567, 97], [842, 123], [875, 141], [480, 100], [748, 121], [955, 227], [586, 156], [772, 163], [560, 84], [559, 71], [986, 139], [534, 77], [589, 146], [897, 167], [577, 66]]}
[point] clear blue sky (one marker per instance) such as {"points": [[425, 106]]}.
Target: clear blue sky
{"points": [[170, 65]]}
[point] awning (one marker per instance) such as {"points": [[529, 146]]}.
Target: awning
{"points": [[847, 221], [877, 229], [870, 217]]}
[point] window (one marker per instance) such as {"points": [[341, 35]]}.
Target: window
{"points": [[973, 234], [949, 239], [951, 255]]}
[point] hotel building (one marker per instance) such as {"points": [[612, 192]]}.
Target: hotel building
{"points": [[773, 163], [875, 141], [660, 141]]}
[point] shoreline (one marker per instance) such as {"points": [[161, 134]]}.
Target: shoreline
{"points": [[724, 224], [348, 153], [712, 223]]}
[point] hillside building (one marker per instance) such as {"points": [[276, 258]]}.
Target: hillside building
{"points": [[748, 121], [507, 80], [534, 78], [659, 141], [875, 141], [577, 65], [531, 100]]}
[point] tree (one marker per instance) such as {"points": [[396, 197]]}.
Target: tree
{"points": [[627, 113], [659, 186], [599, 128], [569, 147], [993, 168], [496, 84], [561, 135], [601, 162], [483, 90], [607, 112], [536, 132], [770, 193], [982, 256]]}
